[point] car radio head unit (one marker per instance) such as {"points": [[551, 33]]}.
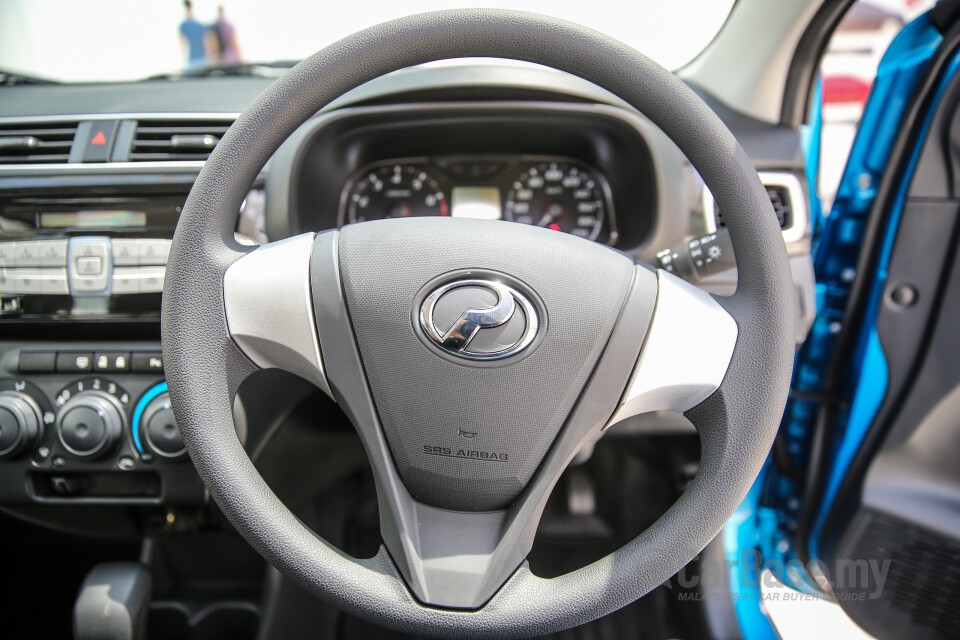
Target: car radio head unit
{"points": [[93, 257]]}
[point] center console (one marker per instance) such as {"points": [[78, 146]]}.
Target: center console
{"points": [[87, 421], [85, 416], [89, 443]]}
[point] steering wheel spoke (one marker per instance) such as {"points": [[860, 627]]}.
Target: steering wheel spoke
{"points": [[269, 308], [686, 352]]}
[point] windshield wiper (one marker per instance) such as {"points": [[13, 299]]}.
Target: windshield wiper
{"points": [[272, 69], [12, 79]]}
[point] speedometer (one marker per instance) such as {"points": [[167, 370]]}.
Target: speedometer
{"points": [[394, 191], [558, 195]]}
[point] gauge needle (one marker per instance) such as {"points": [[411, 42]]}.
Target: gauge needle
{"points": [[552, 212]]}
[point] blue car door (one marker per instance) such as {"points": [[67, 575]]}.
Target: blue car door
{"points": [[864, 483]]}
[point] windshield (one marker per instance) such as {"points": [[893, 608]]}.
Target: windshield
{"points": [[118, 40]]}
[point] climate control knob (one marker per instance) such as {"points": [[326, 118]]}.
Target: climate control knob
{"points": [[90, 424], [20, 423], [158, 428]]}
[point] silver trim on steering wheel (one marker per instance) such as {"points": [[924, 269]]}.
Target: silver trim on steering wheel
{"points": [[269, 308], [685, 355]]}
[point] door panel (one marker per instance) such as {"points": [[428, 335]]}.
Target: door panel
{"points": [[888, 533]]}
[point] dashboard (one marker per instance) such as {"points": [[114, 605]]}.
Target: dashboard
{"points": [[90, 196]]}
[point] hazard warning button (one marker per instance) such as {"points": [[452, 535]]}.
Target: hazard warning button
{"points": [[98, 140]]}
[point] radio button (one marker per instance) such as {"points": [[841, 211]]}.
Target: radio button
{"points": [[89, 266], [7, 251], [154, 252], [26, 281], [138, 280], [88, 247], [53, 282], [53, 253], [34, 281], [95, 284], [126, 280], [152, 279], [126, 253], [26, 254]]}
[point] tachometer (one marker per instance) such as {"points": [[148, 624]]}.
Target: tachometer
{"points": [[560, 196], [394, 191]]}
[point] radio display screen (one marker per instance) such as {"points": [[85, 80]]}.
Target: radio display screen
{"points": [[93, 219]]}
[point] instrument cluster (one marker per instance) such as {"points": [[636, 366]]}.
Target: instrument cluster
{"points": [[554, 192]]}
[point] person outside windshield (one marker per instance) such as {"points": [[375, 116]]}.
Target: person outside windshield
{"points": [[191, 37], [225, 40]]}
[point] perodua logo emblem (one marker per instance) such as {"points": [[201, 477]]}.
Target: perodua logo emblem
{"points": [[458, 316]]}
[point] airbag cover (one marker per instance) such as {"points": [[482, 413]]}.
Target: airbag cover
{"points": [[467, 435]]}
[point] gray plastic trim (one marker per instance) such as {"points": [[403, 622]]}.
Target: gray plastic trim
{"points": [[269, 307], [747, 64], [686, 354], [919, 480]]}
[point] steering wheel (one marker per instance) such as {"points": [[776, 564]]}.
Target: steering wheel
{"points": [[475, 357]]}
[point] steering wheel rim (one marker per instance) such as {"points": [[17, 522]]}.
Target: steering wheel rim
{"points": [[205, 366]]}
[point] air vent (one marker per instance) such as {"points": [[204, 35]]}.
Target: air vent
{"points": [[35, 143], [779, 198], [182, 140]]}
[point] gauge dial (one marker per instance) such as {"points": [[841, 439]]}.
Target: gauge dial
{"points": [[395, 191], [559, 196]]}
